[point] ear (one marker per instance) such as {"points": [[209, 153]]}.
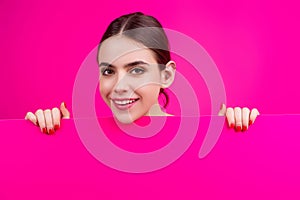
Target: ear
{"points": [[168, 74]]}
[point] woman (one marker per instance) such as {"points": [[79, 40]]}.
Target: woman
{"points": [[135, 68]]}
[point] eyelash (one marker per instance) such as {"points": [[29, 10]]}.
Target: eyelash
{"points": [[141, 70], [103, 72], [111, 71]]}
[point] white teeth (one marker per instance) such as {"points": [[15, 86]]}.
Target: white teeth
{"points": [[124, 102]]}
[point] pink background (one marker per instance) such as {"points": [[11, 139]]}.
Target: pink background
{"points": [[254, 44]]}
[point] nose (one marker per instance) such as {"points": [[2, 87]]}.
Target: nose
{"points": [[122, 85]]}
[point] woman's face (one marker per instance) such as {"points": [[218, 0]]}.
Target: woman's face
{"points": [[130, 78]]}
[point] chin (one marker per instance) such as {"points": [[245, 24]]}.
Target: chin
{"points": [[124, 118]]}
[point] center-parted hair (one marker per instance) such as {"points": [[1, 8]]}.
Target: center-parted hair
{"points": [[146, 30]]}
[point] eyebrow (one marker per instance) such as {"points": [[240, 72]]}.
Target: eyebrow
{"points": [[132, 64]]}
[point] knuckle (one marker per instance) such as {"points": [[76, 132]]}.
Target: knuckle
{"points": [[27, 116], [255, 110], [39, 111], [47, 111], [229, 114], [229, 109], [237, 108], [246, 109], [55, 109]]}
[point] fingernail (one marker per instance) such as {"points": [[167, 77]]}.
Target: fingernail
{"points": [[56, 127], [51, 131], [238, 128], [244, 128], [44, 130], [232, 125], [250, 122], [65, 104]]}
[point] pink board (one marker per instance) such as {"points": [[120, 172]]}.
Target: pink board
{"points": [[262, 163], [254, 44]]}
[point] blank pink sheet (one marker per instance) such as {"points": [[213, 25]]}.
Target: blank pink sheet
{"points": [[263, 163]]}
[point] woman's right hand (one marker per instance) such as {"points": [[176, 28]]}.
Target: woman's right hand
{"points": [[49, 120]]}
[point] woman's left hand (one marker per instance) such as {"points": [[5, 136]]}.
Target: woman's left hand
{"points": [[239, 118]]}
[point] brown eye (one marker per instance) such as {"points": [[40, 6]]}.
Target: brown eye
{"points": [[107, 72]]}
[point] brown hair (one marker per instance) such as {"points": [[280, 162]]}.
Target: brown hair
{"points": [[154, 38]]}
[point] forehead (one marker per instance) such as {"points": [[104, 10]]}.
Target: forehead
{"points": [[120, 49]]}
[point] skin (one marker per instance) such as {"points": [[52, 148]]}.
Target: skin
{"points": [[239, 118], [130, 72], [49, 120]]}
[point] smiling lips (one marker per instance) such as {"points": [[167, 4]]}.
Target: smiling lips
{"points": [[124, 104]]}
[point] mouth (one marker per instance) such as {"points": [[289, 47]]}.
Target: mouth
{"points": [[124, 104]]}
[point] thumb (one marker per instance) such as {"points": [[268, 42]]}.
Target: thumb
{"points": [[64, 111], [222, 111]]}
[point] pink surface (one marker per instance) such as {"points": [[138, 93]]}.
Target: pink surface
{"points": [[260, 164], [254, 44]]}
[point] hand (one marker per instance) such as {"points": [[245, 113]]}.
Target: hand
{"points": [[49, 120], [238, 118]]}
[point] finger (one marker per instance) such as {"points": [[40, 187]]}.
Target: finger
{"points": [[222, 111], [245, 118], [31, 117], [41, 120], [56, 118], [49, 121], [230, 117], [254, 113], [238, 118], [64, 111]]}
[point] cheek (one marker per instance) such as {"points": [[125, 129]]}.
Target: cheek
{"points": [[106, 87], [149, 93], [147, 84]]}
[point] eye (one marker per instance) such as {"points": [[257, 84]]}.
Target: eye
{"points": [[137, 70], [107, 72]]}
